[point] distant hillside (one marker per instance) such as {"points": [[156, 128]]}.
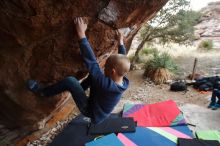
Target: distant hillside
{"points": [[209, 27]]}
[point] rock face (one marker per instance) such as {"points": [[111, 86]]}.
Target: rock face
{"points": [[209, 28], [38, 41]]}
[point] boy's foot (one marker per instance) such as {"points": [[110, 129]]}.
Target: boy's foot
{"points": [[211, 105], [216, 106], [34, 87]]}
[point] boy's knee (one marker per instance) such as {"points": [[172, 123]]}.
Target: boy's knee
{"points": [[70, 79]]}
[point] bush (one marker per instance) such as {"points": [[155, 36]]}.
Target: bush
{"points": [[206, 44], [131, 57], [148, 51], [145, 54], [160, 67], [161, 60]]}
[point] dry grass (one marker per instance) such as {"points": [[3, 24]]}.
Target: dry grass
{"points": [[159, 75], [208, 61], [176, 51]]}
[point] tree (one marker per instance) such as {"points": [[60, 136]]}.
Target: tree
{"points": [[173, 23]]}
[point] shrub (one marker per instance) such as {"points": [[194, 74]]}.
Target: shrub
{"points": [[148, 51], [162, 60], [160, 67], [145, 54], [131, 57], [206, 44]]}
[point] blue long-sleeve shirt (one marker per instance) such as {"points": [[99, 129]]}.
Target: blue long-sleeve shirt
{"points": [[104, 92]]}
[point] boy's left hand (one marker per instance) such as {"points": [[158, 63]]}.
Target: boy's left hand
{"points": [[81, 27]]}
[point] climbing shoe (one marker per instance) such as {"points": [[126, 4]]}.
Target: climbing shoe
{"points": [[211, 105], [215, 107], [34, 87]]}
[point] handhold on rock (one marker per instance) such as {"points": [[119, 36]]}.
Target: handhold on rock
{"points": [[109, 15], [125, 31]]}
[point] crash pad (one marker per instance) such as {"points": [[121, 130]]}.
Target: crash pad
{"points": [[108, 140], [158, 136], [197, 142], [162, 114], [125, 140], [76, 133], [113, 125], [208, 135]]}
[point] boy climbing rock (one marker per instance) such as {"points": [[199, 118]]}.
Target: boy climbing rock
{"points": [[105, 88]]}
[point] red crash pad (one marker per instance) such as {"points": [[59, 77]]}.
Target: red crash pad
{"points": [[156, 115]]}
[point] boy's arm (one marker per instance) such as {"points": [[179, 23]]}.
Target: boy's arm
{"points": [[85, 48], [121, 47], [88, 55]]}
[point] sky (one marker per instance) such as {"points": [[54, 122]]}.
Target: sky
{"points": [[198, 4]]}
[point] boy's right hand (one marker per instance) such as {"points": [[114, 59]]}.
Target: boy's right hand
{"points": [[81, 27]]}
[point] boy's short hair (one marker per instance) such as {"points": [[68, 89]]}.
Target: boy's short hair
{"points": [[119, 62]]}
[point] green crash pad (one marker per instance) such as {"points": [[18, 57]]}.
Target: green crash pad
{"points": [[208, 135]]}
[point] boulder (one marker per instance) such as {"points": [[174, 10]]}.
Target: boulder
{"points": [[38, 41], [209, 28]]}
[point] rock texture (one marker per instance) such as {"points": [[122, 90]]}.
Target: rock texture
{"points": [[209, 28], [38, 41]]}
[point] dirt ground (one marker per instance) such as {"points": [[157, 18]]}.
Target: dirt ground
{"points": [[143, 91], [192, 103]]}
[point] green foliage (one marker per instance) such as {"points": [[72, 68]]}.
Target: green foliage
{"points": [[145, 54], [161, 61], [173, 23], [131, 57], [141, 59], [148, 51], [182, 30], [206, 45]]}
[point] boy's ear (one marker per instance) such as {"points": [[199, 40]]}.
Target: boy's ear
{"points": [[113, 71]]}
